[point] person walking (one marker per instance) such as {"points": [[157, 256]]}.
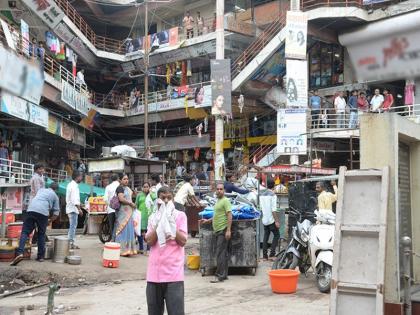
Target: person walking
{"points": [[37, 180], [340, 110], [353, 110], [73, 209], [166, 235], [188, 25], [124, 225], [183, 193], [38, 214], [222, 224], [315, 105], [145, 211], [270, 218], [110, 191]]}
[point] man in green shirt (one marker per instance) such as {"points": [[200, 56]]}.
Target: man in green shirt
{"points": [[222, 223]]}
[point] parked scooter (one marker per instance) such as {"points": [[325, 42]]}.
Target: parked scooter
{"points": [[321, 243], [311, 245]]}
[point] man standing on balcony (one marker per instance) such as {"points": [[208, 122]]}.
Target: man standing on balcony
{"points": [[80, 77], [188, 25], [377, 101], [315, 105], [353, 109], [388, 101], [200, 24], [340, 110]]}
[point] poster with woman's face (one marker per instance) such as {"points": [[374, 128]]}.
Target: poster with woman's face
{"points": [[221, 87]]}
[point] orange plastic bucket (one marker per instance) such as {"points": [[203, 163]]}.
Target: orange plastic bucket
{"points": [[284, 280]]}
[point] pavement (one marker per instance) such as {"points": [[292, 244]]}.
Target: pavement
{"points": [[91, 289]]}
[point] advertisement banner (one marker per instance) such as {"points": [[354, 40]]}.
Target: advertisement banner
{"points": [[199, 97], [221, 87], [24, 30], [173, 36], [38, 115], [67, 131], [388, 58], [30, 84], [75, 99], [297, 83], [296, 37], [291, 131], [20, 108], [47, 10], [79, 137], [54, 125], [8, 34]]}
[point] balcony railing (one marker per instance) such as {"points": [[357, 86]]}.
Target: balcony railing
{"points": [[313, 4], [51, 66]]}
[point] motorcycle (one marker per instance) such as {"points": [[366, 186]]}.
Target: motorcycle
{"points": [[311, 245]]}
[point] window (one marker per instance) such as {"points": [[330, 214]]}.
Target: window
{"points": [[325, 65]]}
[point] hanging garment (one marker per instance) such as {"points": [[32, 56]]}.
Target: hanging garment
{"points": [[409, 94], [61, 55], [196, 154], [168, 74], [189, 70], [199, 129], [184, 73]]}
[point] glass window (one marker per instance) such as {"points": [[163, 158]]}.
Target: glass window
{"points": [[325, 65]]}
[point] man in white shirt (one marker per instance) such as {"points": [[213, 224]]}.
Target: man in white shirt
{"points": [[340, 110], [270, 218], [80, 77], [183, 193], [377, 101], [109, 193], [73, 209]]}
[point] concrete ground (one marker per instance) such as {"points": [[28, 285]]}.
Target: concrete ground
{"points": [[92, 289]]}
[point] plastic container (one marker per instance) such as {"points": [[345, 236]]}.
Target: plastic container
{"points": [[193, 262], [10, 217], [111, 255], [284, 280], [14, 229], [7, 253]]}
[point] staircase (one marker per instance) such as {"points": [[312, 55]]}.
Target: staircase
{"points": [[267, 43], [266, 153]]}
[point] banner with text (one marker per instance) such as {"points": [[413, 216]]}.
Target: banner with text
{"points": [[47, 10], [296, 37], [75, 99], [297, 83], [20, 77], [291, 131], [221, 87], [24, 30]]}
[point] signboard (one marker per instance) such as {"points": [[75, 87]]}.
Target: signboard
{"points": [[296, 37], [237, 26], [98, 166], [47, 10], [369, 2], [79, 137], [24, 30], [198, 97], [8, 34], [297, 83], [20, 108], [38, 115], [67, 131], [179, 143], [22, 79], [14, 196], [292, 169], [75, 99], [391, 57], [291, 131], [221, 87], [54, 125]]}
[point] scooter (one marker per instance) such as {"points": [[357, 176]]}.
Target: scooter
{"points": [[321, 243]]}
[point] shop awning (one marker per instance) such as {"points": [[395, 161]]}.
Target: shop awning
{"points": [[386, 50]]}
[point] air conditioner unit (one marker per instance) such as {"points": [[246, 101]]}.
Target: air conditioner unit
{"points": [[294, 5]]}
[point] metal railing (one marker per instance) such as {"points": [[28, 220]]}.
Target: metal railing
{"points": [[264, 147], [50, 65], [313, 4], [253, 50], [15, 172], [55, 174]]}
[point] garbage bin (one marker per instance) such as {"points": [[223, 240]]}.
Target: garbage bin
{"points": [[192, 210], [243, 247]]}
